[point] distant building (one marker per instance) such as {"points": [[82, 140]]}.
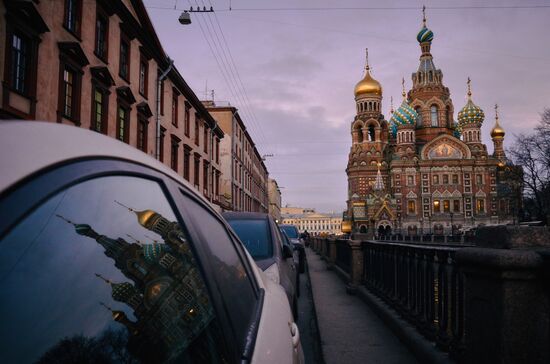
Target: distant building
{"points": [[274, 199], [422, 172], [291, 210], [97, 65], [315, 223], [243, 184]]}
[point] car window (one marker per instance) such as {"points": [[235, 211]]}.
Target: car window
{"points": [[290, 231], [102, 272], [254, 234], [233, 280]]}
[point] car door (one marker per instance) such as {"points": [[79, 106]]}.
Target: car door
{"points": [[97, 265], [287, 268]]}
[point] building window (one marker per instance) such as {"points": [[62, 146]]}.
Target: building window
{"points": [[411, 207], [186, 121], [197, 169], [436, 179], [161, 142], [19, 73], [68, 85], [455, 179], [456, 205], [445, 179], [434, 115], [174, 146], [410, 180], [142, 134], [174, 108], [436, 206], [479, 179], [123, 117], [205, 139], [205, 178], [73, 9], [186, 161], [101, 35], [124, 60], [480, 204], [99, 109], [143, 76], [197, 129], [217, 150], [419, 118], [446, 206]]}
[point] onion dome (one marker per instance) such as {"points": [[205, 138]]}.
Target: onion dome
{"points": [[122, 292], [153, 252], [393, 128], [471, 114], [425, 34], [368, 85], [457, 130], [404, 115], [497, 132]]}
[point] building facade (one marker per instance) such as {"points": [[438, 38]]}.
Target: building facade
{"points": [[315, 223], [274, 194], [244, 178], [422, 172], [99, 65]]}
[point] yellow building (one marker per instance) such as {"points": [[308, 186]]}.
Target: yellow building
{"points": [[315, 223]]}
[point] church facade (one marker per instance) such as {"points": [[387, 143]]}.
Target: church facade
{"points": [[422, 172]]}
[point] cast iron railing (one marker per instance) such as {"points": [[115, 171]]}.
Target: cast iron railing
{"points": [[423, 284], [343, 255]]}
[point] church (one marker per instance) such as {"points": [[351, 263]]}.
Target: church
{"points": [[422, 172]]}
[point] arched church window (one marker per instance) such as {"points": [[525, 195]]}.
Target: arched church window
{"points": [[434, 115], [361, 106], [359, 135], [419, 76], [371, 133], [419, 118], [431, 76], [448, 116]]}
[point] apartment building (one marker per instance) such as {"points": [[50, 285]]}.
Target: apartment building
{"points": [[243, 185], [99, 65]]}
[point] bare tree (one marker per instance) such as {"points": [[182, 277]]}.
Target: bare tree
{"points": [[532, 152]]}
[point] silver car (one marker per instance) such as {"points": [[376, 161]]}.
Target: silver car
{"points": [[109, 256]]}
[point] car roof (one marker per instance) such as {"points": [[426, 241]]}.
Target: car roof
{"points": [[232, 215], [29, 146]]}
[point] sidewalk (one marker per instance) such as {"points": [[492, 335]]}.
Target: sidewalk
{"points": [[350, 331]]}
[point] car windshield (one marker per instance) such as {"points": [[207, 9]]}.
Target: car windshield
{"points": [[254, 233], [290, 231]]}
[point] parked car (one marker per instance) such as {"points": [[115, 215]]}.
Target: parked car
{"points": [[263, 240], [292, 232], [296, 257], [109, 256]]}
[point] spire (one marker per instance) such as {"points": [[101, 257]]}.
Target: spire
{"points": [[403, 93], [391, 105], [367, 67], [379, 183], [144, 217], [424, 16], [497, 132], [469, 88]]}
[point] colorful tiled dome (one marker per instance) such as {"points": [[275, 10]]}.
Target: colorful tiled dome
{"points": [[393, 128], [404, 115], [471, 114], [424, 35], [153, 252], [122, 292]]}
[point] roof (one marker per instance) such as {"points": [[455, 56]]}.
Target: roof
{"points": [[29, 146]]}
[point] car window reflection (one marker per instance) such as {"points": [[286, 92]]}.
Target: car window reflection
{"points": [[102, 272]]}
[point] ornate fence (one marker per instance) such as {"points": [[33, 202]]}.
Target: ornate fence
{"points": [[423, 284], [343, 255]]}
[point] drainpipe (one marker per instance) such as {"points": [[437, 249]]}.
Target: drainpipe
{"points": [[159, 83]]}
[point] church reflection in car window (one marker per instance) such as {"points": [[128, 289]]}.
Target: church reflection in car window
{"points": [[150, 303]]}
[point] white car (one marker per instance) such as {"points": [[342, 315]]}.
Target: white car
{"points": [[109, 256]]}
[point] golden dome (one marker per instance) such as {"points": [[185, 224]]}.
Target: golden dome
{"points": [[144, 216], [368, 85], [497, 131]]}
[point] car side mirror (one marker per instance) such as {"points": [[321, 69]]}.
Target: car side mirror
{"points": [[287, 252]]}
